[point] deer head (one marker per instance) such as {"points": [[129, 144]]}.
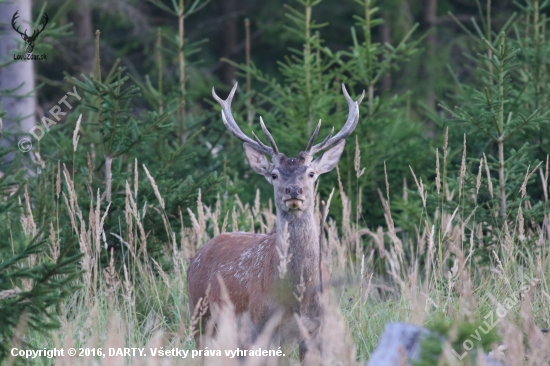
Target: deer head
{"points": [[29, 40], [292, 178]]}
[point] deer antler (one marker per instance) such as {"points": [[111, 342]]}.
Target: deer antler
{"points": [[349, 126], [232, 126], [16, 27], [36, 32]]}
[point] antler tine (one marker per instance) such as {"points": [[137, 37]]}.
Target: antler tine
{"points": [[14, 18], [14, 25], [322, 144], [257, 139], [313, 137], [348, 98], [349, 126], [269, 137], [232, 126], [45, 19]]}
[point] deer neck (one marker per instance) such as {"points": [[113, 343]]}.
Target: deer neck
{"points": [[303, 245]]}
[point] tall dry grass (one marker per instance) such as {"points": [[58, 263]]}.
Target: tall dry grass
{"points": [[378, 275]]}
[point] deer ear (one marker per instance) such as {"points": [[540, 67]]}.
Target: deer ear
{"points": [[258, 161], [328, 161]]}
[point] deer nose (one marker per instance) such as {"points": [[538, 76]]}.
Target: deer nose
{"points": [[294, 191]]}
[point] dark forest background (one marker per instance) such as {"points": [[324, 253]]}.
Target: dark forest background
{"points": [[456, 92], [408, 123]]}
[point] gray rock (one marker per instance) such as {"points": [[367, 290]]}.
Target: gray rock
{"points": [[400, 343]]}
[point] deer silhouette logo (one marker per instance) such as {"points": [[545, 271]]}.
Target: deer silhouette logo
{"points": [[29, 40]]}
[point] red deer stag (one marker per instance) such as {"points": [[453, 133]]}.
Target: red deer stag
{"points": [[249, 264]]}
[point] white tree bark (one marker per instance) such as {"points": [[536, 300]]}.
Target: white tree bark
{"points": [[19, 75]]}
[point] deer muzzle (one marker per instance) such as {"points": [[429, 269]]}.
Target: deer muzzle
{"points": [[293, 197]]}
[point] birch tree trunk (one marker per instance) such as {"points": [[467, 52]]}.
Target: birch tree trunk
{"points": [[17, 77]]}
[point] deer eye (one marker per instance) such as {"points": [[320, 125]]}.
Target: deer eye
{"points": [[273, 176], [311, 174]]}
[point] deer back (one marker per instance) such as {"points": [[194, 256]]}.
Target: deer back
{"points": [[246, 264]]}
